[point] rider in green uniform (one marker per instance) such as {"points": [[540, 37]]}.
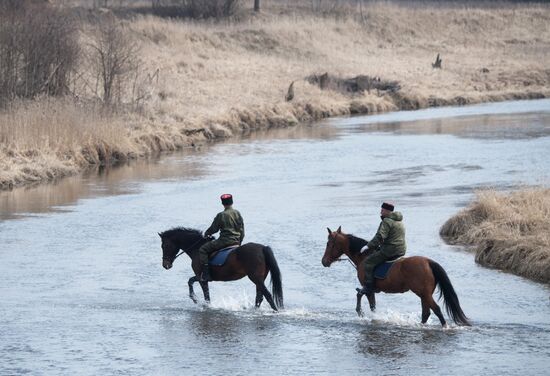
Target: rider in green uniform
{"points": [[230, 224], [388, 243]]}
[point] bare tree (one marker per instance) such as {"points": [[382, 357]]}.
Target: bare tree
{"points": [[256, 5], [114, 55], [199, 9], [38, 50]]}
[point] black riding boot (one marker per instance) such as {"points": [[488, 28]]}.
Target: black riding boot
{"points": [[205, 275], [367, 289]]}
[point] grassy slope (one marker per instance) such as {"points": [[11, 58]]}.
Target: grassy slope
{"points": [[217, 80]]}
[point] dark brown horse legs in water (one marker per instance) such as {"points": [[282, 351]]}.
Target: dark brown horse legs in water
{"points": [[427, 302], [261, 291], [204, 286], [372, 302]]}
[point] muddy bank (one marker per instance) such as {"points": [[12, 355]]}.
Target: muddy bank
{"points": [[507, 231], [30, 167]]}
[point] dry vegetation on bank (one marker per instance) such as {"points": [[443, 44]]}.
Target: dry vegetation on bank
{"points": [[510, 232], [195, 81]]}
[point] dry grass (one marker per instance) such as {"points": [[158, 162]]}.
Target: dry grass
{"points": [[45, 139], [507, 231], [205, 80]]}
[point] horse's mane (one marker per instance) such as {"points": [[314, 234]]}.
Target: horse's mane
{"points": [[356, 243], [181, 231]]}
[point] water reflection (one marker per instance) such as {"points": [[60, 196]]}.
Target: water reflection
{"points": [[510, 126], [222, 325], [316, 131], [126, 178], [95, 182], [396, 343]]}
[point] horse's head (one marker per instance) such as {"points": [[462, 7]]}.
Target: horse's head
{"points": [[336, 245], [169, 251], [186, 239]]}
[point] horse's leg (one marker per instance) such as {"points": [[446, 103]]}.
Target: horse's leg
{"points": [[268, 296], [259, 296], [428, 303], [372, 301], [205, 291], [358, 306], [425, 309], [437, 311], [190, 283], [262, 290]]}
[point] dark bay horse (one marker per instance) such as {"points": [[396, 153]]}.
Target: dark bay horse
{"points": [[417, 274], [251, 259]]}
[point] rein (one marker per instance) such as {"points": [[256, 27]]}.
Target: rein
{"points": [[347, 259], [184, 251]]}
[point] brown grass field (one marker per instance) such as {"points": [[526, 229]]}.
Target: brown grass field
{"points": [[201, 81], [507, 231]]}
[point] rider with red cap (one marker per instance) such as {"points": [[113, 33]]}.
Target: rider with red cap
{"points": [[230, 224]]}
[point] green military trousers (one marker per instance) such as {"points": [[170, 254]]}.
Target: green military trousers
{"points": [[376, 258], [213, 246]]}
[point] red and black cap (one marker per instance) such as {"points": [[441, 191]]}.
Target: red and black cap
{"points": [[387, 206], [227, 199]]}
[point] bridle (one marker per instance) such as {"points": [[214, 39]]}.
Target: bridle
{"points": [[183, 251], [333, 238]]}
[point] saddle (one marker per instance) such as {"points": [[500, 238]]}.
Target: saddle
{"points": [[381, 271], [219, 258]]}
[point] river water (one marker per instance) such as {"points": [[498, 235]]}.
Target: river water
{"points": [[83, 291]]}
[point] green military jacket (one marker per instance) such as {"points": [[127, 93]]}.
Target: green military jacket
{"points": [[390, 236], [230, 225]]}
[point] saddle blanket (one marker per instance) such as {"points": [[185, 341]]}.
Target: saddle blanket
{"points": [[221, 256], [381, 271]]}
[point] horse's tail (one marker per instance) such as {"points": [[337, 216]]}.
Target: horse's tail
{"points": [[276, 279], [450, 299]]}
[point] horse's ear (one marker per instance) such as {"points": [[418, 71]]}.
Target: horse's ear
{"points": [[339, 229], [159, 234], [329, 231]]}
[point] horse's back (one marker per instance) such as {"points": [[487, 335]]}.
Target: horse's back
{"points": [[407, 274], [250, 248], [246, 253]]}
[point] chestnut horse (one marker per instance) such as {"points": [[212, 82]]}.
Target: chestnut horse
{"points": [[251, 259], [418, 274]]}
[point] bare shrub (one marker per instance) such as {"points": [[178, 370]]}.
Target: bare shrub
{"points": [[198, 9], [114, 57], [38, 51]]}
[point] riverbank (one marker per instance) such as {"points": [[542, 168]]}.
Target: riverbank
{"points": [[510, 232], [207, 81]]}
